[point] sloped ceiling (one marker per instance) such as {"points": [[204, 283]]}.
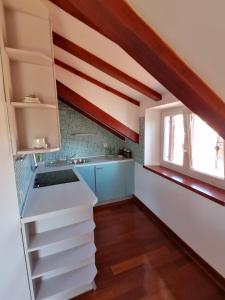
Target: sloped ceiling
{"points": [[105, 39], [89, 39], [195, 30]]}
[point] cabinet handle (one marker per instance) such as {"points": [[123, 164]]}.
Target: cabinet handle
{"points": [[99, 168]]}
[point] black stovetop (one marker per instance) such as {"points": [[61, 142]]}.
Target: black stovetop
{"points": [[54, 177]]}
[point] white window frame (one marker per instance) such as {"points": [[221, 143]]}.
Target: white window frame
{"points": [[186, 168]]}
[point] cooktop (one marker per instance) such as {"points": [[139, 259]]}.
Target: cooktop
{"points": [[55, 177]]}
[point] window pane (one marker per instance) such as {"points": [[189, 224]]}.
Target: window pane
{"points": [[207, 149], [166, 138], [174, 139]]}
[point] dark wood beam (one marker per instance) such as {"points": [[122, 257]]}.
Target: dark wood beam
{"points": [[104, 66], [96, 82], [118, 21], [71, 9], [90, 109]]}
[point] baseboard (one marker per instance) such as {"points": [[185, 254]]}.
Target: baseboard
{"points": [[206, 268], [113, 203]]}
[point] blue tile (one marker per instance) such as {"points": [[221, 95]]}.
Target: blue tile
{"points": [[23, 176]]}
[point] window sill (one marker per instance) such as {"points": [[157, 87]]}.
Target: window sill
{"points": [[204, 189]]}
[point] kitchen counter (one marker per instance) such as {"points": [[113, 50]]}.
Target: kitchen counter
{"points": [[105, 159], [56, 199]]}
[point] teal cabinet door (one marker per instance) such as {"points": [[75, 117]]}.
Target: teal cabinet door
{"points": [[110, 183], [88, 174]]}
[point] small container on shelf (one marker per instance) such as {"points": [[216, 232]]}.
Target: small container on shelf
{"points": [[31, 99], [39, 143]]}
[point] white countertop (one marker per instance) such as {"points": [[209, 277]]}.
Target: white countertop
{"points": [[105, 160], [56, 199]]}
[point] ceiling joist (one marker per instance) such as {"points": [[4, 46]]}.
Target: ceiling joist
{"points": [[119, 22], [105, 67], [96, 82]]}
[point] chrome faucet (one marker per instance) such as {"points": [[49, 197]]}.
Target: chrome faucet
{"points": [[34, 167]]}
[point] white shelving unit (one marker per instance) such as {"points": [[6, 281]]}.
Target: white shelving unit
{"points": [[28, 69], [67, 285], [74, 231], [59, 241], [65, 261]]}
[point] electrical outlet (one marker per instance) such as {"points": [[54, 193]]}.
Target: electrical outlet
{"points": [[105, 145], [21, 196]]}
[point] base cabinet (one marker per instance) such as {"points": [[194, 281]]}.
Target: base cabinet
{"points": [[109, 181], [88, 174]]}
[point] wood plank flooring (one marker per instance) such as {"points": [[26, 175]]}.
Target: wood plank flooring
{"points": [[137, 261]]}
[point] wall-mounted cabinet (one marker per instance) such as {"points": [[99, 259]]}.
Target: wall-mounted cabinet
{"points": [[28, 68]]}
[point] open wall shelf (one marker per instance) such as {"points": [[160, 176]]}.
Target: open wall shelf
{"points": [[29, 7], [33, 151], [34, 79], [28, 68], [33, 105], [32, 57], [27, 32], [35, 123]]}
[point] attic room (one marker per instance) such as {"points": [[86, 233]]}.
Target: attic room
{"points": [[112, 128]]}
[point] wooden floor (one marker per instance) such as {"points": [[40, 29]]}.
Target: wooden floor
{"points": [[136, 260]]}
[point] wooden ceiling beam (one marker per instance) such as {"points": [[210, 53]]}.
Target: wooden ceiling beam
{"points": [[96, 82], [104, 66], [71, 9], [119, 22], [96, 113]]}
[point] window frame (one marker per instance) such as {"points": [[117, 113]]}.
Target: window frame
{"points": [[186, 168]]}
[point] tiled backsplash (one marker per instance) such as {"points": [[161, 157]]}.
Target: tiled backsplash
{"points": [[138, 149], [23, 175], [71, 123]]}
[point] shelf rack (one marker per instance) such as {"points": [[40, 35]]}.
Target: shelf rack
{"points": [[28, 69]]}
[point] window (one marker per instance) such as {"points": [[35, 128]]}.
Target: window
{"points": [[191, 146], [207, 151], [174, 139]]}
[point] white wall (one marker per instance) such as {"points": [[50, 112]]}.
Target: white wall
{"points": [[152, 142], [14, 282], [120, 109], [195, 30], [195, 219]]}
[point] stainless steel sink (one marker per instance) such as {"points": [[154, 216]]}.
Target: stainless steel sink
{"points": [[58, 163]]}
